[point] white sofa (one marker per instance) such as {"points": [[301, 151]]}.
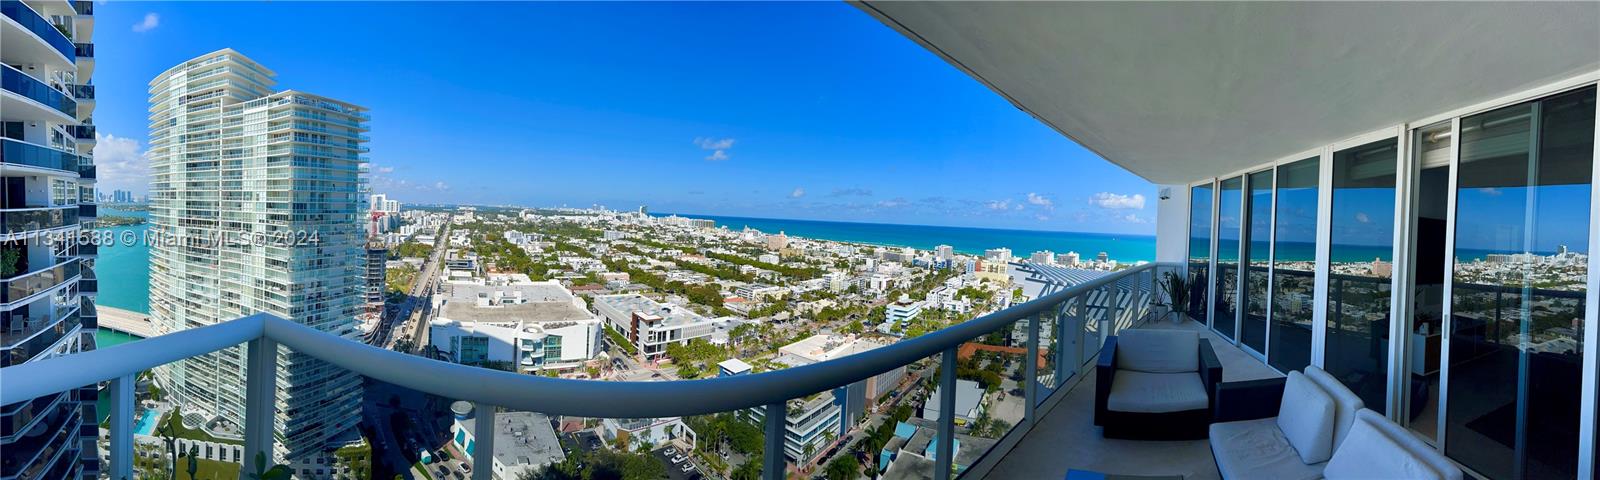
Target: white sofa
{"points": [[1315, 429]]}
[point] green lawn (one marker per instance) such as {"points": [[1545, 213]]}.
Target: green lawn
{"points": [[173, 419], [205, 469]]}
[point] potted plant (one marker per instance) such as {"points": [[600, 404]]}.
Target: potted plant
{"points": [[1177, 290]]}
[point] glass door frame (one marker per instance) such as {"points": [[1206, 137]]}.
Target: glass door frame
{"points": [[1399, 354], [1403, 302], [1211, 245]]}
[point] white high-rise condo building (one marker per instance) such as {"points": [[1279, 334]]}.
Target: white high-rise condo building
{"points": [[46, 199], [256, 202]]}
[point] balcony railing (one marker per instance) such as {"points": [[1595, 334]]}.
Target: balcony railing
{"points": [[27, 285], [89, 284], [14, 81], [16, 152], [83, 7], [81, 132], [1078, 319], [88, 210], [39, 342], [23, 220], [82, 93], [37, 24], [86, 170], [84, 50]]}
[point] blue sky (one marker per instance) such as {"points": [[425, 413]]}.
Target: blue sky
{"points": [[790, 110]]}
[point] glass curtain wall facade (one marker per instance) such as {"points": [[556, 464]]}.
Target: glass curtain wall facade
{"points": [[1487, 364], [1258, 261], [1199, 250], [1226, 286], [1294, 265], [1520, 270], [1360, 257]]}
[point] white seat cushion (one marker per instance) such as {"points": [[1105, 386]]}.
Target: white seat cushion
{"points": [[1306, 417], [1158, 351], [1345, 403], [1145, 392], [1257, 449], [1411, 443], [1371, 453]]}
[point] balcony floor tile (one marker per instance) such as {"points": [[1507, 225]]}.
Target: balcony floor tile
{"points": [[1067, 438]]}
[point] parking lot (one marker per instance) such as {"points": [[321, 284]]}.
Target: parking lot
{"points": [[683, 469]]}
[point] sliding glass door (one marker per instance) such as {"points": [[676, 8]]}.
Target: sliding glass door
{"points": [[1360, 254], [1199, 250], [1229, 201], [1258, 261], [1294, 265], [1518, 287]]}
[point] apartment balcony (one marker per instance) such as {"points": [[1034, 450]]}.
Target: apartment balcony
{"points": [[32, 22], [87, 211], [18, 221], [82, 133], [20, 153], [86, 171], [33, 95], [85, 54], [89, 285], [27, 285], [34, 339]]}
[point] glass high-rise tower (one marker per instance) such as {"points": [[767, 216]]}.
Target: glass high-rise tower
{"points": [[47, 177], [255, 207]]}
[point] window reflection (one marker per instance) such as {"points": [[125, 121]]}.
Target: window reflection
{"points": [[1360, 251], [1294, 265], [1227, 298], [1519, 270], [1199, 250], [1253, 330]]}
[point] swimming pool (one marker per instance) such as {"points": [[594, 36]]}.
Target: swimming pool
{"points": [[147, 423]]}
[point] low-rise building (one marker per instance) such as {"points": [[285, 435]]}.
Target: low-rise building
{"points": [[513, 323], [524, 442], [902, 311], [651, 326], [637, 434], [809, 419]]}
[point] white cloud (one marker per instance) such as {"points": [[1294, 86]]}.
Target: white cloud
{"points": [[1115, 201], [150, 22], [896, 202], [713, 144], [797, 193], [1042, 218], [848, 192], [999, 204], [1363, 218], [441, 186], [120, 164], [1131, 218], [382, 170], [1040, 200], [718, 147]]}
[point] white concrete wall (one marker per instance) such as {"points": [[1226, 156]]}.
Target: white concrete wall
{"points": [[1172, 223]]}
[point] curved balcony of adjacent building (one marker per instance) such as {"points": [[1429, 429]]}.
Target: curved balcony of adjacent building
{"points": [[28, 336], [17, 222], [89, 285], [84, 134], [85, 54], [29, 35], [28, 98], [25, 286], [84, 96], [32, 156]]}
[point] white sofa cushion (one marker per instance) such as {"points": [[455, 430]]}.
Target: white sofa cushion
{"points": [[1370, 452], [1257, 449], [1306, 417], [1413, 444], [1345, 403], [1145, 392], [1158, 350]]}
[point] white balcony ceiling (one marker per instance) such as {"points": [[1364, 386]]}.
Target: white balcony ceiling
{"points": [[1176, 92]]}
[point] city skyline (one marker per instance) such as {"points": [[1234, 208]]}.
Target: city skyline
{"points": [[850, 122]]}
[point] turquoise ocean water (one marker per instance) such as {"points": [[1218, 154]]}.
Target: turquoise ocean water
{"points": [[123, 269], [1122, 248]]}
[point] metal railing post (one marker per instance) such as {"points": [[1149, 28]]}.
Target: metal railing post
{"points": [[260, 400], [121, 426], [1066, 346], [1031, 367], [483, 441], [772, 462], [947, 415], [1110, 320]]}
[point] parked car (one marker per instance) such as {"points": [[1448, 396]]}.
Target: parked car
{"points": [[688, 467], [676, 459]]}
